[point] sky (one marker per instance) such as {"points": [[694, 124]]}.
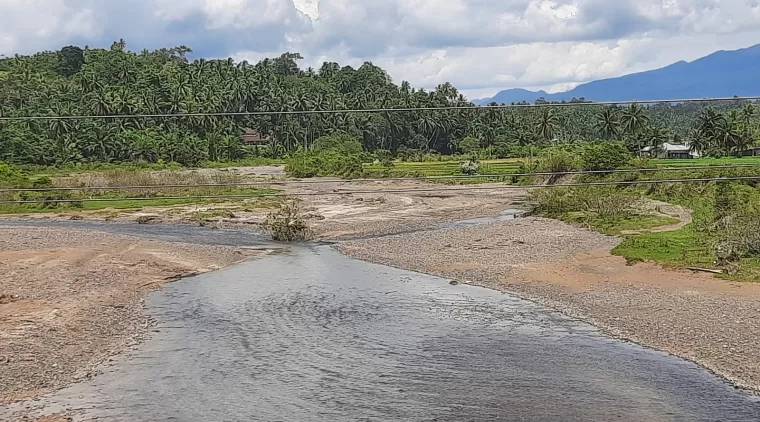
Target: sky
{"points": [[480, 46]]}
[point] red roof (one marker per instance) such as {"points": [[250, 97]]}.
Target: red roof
{"points": [[252, 137]]}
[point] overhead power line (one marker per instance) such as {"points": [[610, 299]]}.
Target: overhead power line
{"points": [[385, 191], [370, 180], [372, 110]]}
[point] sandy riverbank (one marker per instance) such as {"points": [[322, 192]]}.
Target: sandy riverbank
{"points": [[331, 215], [695, 316], [69, 299]]}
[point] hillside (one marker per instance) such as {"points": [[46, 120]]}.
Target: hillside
{"points": [[721, 74]]}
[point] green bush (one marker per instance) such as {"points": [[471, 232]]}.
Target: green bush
{"points": [[323, 164], [287, 224], [469, 167], [10, 177], [557, 160], [340, 142], [642, 163], [384, 157], [468, 145], [598, 201], [605, 156]]}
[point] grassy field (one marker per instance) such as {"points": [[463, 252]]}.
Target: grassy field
{"points": [[157, 189], [512, 165], [695, 162], [123, 200], [442, 168], [136, 167]]}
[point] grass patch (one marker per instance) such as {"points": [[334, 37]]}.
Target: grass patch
{"points": [[510, 166], [440, 168], [157, 189], [679, 248], [246, 162], [615, 226], [683, 248], [96, 206], [131, 204], [79, 168], [697, 162]]}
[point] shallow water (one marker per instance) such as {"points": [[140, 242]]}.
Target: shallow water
{"points": [[165, 232], [310, 334]]}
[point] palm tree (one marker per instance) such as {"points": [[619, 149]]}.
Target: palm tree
{"points": [[729, 137], [655, 137], [608, 123], [707, 121], [634, 120], [547, 125], [748, 113], [699, 143]]}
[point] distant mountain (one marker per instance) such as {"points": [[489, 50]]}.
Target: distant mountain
{"points": [[721, 74]]}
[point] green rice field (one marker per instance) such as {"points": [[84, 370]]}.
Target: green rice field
{"points": [[512, 165]]}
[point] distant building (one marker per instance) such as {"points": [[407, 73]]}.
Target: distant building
{"points": [[251, 137], [668, 150], [752, 152]]}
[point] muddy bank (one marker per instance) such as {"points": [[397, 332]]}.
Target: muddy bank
{"points": [[71, 298], [695, 316]]}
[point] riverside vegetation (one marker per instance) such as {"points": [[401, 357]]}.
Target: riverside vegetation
{"points": [[724, 233], [117, 82]]}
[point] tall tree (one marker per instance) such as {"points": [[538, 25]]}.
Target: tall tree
{"points": [[634, 120], [608, 123], [547, 124]]}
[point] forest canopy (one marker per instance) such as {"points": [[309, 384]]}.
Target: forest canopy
{"points": [[85, 81]]}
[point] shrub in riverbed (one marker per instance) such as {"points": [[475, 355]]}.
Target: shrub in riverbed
{"points": [[288, 224]]}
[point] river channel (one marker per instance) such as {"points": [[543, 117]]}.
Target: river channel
{"points": [[307, 334]]}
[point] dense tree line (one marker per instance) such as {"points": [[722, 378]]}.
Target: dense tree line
{"points": [[116, 81]]}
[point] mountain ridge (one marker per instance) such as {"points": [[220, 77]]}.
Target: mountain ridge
{"points": [[724, 73]]}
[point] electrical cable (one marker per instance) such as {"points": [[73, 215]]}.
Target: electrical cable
{"points": [[373, 110]]}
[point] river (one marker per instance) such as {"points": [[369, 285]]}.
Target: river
{"points": [[307, 334]]}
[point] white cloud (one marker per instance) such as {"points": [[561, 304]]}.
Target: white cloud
{"points": [[479, 45]]}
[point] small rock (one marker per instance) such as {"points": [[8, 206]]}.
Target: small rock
{"points": [[453, 282]]}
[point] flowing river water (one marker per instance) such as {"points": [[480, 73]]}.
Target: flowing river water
{"points": [[307, 334]]}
